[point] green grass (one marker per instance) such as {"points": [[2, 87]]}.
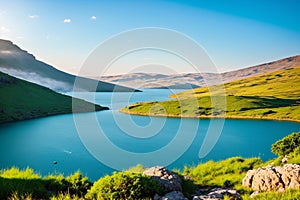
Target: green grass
{"points": [[20, 100], [226, 173], [271, 96], [26, 184], [280, 84], [287, 195]]}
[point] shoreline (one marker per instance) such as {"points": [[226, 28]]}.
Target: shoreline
{"points": [[211, 117]]}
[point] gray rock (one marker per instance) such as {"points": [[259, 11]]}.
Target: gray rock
{"points": [[168, 180], [175, 195], [219, 193], [156, 197], [273, 178]]}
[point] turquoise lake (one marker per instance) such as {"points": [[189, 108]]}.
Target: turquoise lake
{"points": [[38, 143]]}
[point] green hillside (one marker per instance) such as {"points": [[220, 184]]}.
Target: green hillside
{"points": [[274, 95], [20, 100]]}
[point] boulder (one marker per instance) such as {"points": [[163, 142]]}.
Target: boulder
{"points": [[168, 180], [175, 195], [219, 193], [273, 178]]}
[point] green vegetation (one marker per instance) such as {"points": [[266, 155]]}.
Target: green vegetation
{"points": [[25, 184], [22, 184], [226, 173], [287, 195], [21, 100], [124, 185], [287, 145], [270, 96]]}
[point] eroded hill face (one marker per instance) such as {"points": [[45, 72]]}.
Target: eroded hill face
{"points": [[182, 81], [19, 63]]}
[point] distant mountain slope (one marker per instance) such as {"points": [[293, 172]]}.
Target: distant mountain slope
{"points": [[285, 63], [152, 80], [274, 95], [20, 100], [21, 64]]}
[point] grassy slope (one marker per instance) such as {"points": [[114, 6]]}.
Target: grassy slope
{"points": [[274, 95], [20, 100]]}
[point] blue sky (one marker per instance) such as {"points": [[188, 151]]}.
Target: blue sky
{"points": [[234, 33]]}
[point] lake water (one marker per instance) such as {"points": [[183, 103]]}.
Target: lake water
{"points": [[37, 143]]}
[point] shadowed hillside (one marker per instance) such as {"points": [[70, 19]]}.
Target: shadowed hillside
{"points": [[20, 100]]}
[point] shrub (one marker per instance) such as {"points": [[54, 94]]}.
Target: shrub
{"points": [[287, 145], [55, 183], [124, 185], [78, 184], [16, 183]]}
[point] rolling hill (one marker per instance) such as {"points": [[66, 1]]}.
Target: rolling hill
{"points": [[189, 80], [274, 95], [21, 100], [19, 63]]}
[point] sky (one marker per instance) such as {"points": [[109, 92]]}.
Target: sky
{"points": [[234, 33]]}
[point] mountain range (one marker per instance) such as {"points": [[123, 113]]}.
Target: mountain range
{"points": [[194, 80], [21, 64]]}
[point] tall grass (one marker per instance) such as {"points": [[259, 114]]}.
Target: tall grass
{"points": [[26, 184], [226, 173]]}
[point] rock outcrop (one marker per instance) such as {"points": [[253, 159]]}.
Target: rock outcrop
{"points": [[172, 184], [273, 178], [219, 193], [175, 195], [165, 178]]}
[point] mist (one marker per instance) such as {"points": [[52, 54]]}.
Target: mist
{"points": [[33, 77]]}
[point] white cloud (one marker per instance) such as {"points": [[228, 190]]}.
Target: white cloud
{"points": [[93, 17], [67, 20], [33, 16]]}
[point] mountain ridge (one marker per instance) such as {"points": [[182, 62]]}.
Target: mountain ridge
{"points": [[19, 63], [152, 80]]}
